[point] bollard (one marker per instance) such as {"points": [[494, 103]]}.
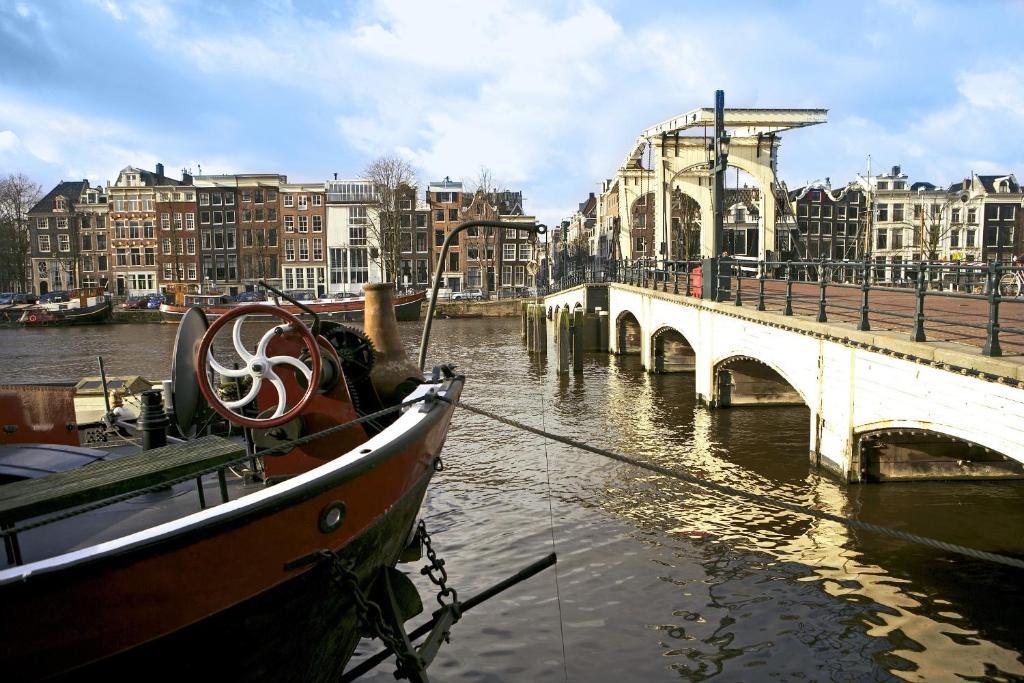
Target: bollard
{"points": [[865, 286], [562, 342], [822, 282], [789, 291], [524, 314], [918, 332], [577, 341], [760, 286], [992, 346]]}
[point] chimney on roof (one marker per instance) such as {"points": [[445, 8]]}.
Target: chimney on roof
{"points": [[335, 175], [591, 195], [186, 177], [895, 170], [160, 171]]}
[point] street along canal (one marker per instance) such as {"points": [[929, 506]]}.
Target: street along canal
{"points": [[656, 579]]}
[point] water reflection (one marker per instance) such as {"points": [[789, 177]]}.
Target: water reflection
{"points": [[660, 580]]}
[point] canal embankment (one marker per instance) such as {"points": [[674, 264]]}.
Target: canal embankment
{"points": [[501, 308]]}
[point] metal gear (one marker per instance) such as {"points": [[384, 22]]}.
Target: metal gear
{"points": [[354, 348]]}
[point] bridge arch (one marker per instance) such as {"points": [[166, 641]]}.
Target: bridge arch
{"points": [[628, 333], [741, 379], [672, 351], [901, 450]]}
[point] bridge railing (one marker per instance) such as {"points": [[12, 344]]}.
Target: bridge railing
{"points": [[980, 304]]}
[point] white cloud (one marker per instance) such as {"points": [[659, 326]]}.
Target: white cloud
{"points": [[50, 142], [8, 141]]}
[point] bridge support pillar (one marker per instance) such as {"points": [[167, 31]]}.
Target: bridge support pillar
{"points": [[563, 342], [578, 337]]}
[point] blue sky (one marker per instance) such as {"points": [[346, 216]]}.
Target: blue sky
{"points": [[548, 95]]}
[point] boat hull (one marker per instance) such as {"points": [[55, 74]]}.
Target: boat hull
{"points": [[406, 308], [223, 582], [87, 315]]}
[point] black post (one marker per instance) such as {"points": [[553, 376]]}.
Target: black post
{"points": [[664, 275], [688, 279], [918, 332], [675, 277], [739, 286], [992, 347], [789, 290], [821, 293], [760, 285], [865, 285], [153, 421]]}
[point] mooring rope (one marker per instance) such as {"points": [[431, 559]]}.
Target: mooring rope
{"points": [[541, 323], [755, 497]]}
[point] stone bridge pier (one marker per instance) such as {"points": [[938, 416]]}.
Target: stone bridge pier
{"points": [[881, 407]]}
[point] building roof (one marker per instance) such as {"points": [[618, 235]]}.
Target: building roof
{"points": [[921, 185], [446, 184], [991, 182], [71, 190]]}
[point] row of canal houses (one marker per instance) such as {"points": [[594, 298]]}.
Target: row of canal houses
{"points": [[150, 233], [885, 217]]}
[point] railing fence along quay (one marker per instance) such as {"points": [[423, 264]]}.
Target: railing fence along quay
{"points": [[974, 304]]}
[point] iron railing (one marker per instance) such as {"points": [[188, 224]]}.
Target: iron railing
{"points": [[932, 301]]}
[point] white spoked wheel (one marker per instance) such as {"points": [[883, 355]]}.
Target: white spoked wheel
{"points": [[258, 366]]}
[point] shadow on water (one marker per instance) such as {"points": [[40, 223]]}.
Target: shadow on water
{"points": [[659, 580]]}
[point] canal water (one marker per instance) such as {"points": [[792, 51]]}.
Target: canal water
{"points": [[658, 580]]}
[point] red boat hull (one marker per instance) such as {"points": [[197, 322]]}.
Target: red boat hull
{"points": [[216, 593]]}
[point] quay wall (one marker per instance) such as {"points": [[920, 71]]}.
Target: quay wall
{"points": [[504, 308]]}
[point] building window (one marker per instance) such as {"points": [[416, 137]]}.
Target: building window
{"points": [[897, 238], [63, 243], [956, 215], [289, 200], [318, 249], [438, 238], [881, 239], [303, 250], [204, 217], [303, 202], [289, 223], [421, 241], [289, 250], [506, 275], [318, 200], [972, 237], [272, 237], [246, 196], [883, 185], [62, 223], [954, 238], [524, 251], [520, 275], [44, 243], [190, 243], [191, 271], [421, 220], [508, 252], [150, 253], [247, 238], [439, 215], [897, 212], [165, 243], [218, 217], [303, 223], [473, 277], [883, 212], [972, 216], [318, 223], [42, 224]]}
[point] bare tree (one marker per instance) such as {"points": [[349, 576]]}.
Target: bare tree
{"points": [[685, 226], [486, 182], [392, 178], [18, 194]]}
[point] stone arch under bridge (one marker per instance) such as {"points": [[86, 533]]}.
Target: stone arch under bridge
{"points": [[672, 351], [743, 380], [628, 334]]}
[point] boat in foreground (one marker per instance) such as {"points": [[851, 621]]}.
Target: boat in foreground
{"points": [[407, 307], [246, 537]]}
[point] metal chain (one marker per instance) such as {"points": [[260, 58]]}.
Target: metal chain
{"points": [[436, 566], [370, 615]]}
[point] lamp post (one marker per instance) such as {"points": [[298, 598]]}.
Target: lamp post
{"points": [[717, 165]]}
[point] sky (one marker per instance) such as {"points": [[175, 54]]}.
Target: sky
{"points": [[547, 95]]}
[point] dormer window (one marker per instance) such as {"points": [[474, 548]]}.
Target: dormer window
{"points": [[1004, 186], [60, 204]]}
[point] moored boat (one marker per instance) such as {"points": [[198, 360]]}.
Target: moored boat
{"points": [[407, 307], [85, 306], [264, 541]]}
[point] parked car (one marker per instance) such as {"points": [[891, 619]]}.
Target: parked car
{"points": [[154, 301], [24, 298], [468, 295], [134, 303], [250, 297], [6, 298], [56, 296]]}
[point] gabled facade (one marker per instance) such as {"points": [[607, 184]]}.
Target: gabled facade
{"points": [[94, 238], [134, 245], [178, 259], [55, 235]]}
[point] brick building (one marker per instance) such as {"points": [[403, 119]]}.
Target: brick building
{"points": [[178, 259], [304, 230]]}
